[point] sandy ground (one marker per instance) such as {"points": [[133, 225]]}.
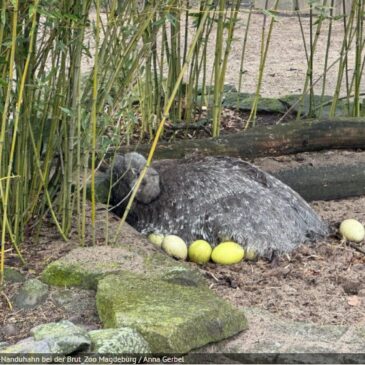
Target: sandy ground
{"points": [[286, 64]]}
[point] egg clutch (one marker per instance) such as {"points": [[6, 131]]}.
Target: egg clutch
{"points": [[229, 252], [200, 251]]}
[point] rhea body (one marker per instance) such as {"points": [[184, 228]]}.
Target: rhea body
{"points": [[216, 199]]}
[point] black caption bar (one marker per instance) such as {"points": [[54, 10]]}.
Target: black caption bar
{"points": [[192, 358]]}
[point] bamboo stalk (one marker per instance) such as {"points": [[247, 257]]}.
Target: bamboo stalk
{"points": [[243, 53], [263, 57], [94, 118], [5, 196], [162, 123]]}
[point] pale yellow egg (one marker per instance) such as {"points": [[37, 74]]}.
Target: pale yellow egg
{"points": [[175, 247], [228, 253], [200, 252], [156, 239], [352, 230]]}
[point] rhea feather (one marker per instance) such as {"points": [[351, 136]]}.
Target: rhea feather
{"points": [[215, 199]]}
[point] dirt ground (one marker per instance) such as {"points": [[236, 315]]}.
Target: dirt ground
{"points": [[286, 64], [321, 284], [324, 283]]}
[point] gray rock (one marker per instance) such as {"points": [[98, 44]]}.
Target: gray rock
{"points": [[13, 276], [32, 293], [78, 304], [172, 318], [9, 330], [122, 341], [320, 105], [3, 345], [62, 297], [28, 346], [62, 337]]}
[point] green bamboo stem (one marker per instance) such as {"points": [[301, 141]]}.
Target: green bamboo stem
{"points": [[243, 53], [217, 69], [5, 197], [347, 40], [328, 46], [161, 125], [346, 61], [263, 57], [308, 83], [231, 27], [358, 58], [94, 119]]}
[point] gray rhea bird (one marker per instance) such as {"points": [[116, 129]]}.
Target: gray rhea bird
{"points": [[216, 199]]}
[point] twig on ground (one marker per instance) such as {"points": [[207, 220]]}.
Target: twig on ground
{"points": [[356, 247]]}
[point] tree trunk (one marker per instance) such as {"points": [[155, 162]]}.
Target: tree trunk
{"points": [[275, 140]]}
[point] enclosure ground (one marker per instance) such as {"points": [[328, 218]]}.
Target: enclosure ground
{"points": [[286, 64], [323, 284]]}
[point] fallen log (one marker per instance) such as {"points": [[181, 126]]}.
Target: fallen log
{"points": [[325, 182], [294, 137], [325, 175]]}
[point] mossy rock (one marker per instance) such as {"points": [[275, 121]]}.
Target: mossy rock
{"points": [[84, 267], [286, 336], [172, 318], [32, 293], [12, 275], [53, 338], [243, 102], [184, 276], [118, 341], [319, 102], [229, 99]]}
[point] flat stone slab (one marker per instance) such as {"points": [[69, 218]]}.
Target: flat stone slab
{"points": [[172, 318], [84, 267]]}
